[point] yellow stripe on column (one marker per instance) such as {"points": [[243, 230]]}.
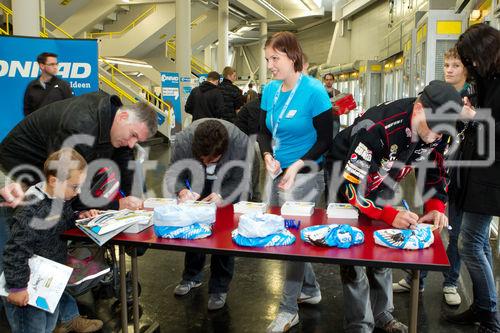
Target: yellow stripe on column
{"points": [[449, 27]]}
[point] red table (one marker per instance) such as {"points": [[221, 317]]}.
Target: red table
{"points": [[433, 258]]}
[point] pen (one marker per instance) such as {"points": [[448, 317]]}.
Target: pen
{"points": [[405, 204], [188, 185], [122, 194]]}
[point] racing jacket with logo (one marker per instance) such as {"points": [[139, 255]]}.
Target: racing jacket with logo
{"points": [[378, 152]]}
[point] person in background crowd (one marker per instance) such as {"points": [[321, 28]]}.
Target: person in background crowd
{"points": [[233, 96], [328, 80], [247, 121], [206, 101], [295, 129], [477, 190], [47, 88]]}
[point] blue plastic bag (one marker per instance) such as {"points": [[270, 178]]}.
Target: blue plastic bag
{"points": [[283, 238], [193, 231], [405, 239], [335, 235]]}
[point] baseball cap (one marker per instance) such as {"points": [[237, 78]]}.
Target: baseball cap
{"points": [[437, 94]]}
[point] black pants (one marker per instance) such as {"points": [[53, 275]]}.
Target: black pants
{"points": [[221, 270]]}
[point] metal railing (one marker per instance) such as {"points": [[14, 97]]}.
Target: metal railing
{"points": [[197, 65], [7, 13], [127, 28], [44, 22]]}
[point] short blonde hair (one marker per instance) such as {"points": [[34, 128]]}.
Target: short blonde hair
{"points": [[67, 157]]}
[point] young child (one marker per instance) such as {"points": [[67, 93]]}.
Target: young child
{"points": [[36, 229]]}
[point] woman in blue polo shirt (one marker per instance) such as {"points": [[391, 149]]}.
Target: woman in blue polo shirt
{"points": [[296, 130]]}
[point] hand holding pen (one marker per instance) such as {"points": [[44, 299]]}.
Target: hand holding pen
{"points": [[405, 219], [187, 194]]}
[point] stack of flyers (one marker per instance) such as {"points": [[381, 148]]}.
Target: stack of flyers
{"points": [[297, 208], [247, 207]]}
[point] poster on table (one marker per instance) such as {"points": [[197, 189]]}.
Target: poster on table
{"points": [[18, 67]]}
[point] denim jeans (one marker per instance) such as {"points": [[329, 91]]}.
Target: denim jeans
{"points": [[221, 271], [475, 251], [450, 276], [28, 319], [68, 309], [367, 298], [299, 276]]}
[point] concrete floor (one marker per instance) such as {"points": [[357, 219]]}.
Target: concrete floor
{"points": [[255, 293]]}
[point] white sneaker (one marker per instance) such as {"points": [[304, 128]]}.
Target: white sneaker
{"points": [[451, 295], [304, 298], [283, 322], [403, 287]]}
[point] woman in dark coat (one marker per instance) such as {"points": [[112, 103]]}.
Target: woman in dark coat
{"points": [[477, 197]]}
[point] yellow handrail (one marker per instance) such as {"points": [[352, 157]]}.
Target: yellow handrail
{"points": [[120, 91], [45, 20], [150, 95], [127, 28], [8, 12], [196, 64]]}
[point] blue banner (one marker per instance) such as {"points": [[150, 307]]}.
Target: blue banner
{"points": [[77, 64], [170, 91]]}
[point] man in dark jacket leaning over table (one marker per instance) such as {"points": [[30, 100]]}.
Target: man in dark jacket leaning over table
{"points": [[206, 147]]}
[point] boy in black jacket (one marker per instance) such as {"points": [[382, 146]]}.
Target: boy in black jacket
{"points": [[36, 230]]}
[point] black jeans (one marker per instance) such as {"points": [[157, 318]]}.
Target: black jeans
{"points": [[221, 270]]}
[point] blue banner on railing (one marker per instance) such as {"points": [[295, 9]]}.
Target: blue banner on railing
{"points": [[77, 64], [170, 91]]}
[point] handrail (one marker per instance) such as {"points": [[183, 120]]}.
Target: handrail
{"points": [[115, 87], [45, 20], [8, 12], [196, 64], [128, 27], [6, 9]]}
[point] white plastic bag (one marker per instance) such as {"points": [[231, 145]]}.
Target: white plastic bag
{"points": [[260, 225], [183, 215]]}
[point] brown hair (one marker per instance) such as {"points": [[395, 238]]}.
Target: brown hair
{"points": [[287, 43], [452, 53], [68, 158], [210, 139]]}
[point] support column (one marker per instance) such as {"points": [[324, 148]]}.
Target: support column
{"points": [[183, 50], [26, 18], [223, 27], [183, 37], [263, 63]]}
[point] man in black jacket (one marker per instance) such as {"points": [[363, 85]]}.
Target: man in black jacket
{"points": [[113, 127], [47, 88], [233, 96], [206, 101], [377, 152]]}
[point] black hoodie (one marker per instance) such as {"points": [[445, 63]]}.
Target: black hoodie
{"points": [[205, 101]]}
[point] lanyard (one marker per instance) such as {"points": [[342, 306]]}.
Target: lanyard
{"points": [[276, 124]]}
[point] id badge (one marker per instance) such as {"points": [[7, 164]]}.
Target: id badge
{"points": [[291, 114]]}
